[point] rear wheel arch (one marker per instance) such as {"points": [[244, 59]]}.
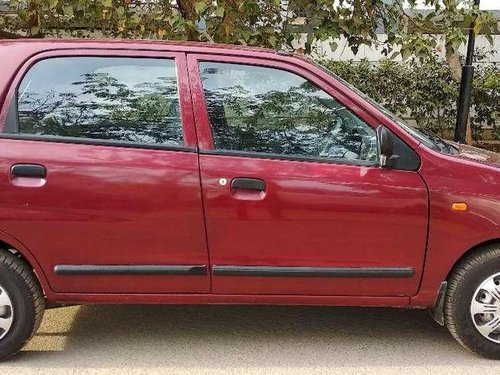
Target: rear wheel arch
{"points": [[23, 302], [15, 247]]}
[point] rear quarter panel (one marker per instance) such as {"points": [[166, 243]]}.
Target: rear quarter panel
{"points": [[12, 56]]}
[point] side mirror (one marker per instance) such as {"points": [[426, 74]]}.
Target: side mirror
{"points": [[386, 140]]}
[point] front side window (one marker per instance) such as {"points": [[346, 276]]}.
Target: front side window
{"points": [[271, 111], [133, 100]]}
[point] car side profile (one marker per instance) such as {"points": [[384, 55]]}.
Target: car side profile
{"points": [[185, 173]]}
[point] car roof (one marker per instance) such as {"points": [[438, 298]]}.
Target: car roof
{"points": [[38, 45]]}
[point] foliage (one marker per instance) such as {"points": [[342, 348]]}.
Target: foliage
{"points": [[486, 100], [241, 22], [427, 92], [269, 23]]}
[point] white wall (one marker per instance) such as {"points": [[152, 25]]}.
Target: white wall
{"points": [[343, 52]]}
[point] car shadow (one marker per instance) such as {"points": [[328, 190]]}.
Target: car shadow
{"points": [[160, 336]]}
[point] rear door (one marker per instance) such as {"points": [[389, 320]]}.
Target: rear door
{"points": [[99, 172], [295, 199]]}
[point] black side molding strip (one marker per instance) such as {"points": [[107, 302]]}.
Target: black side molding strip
{"points": [[340, 272], [79, 270]]}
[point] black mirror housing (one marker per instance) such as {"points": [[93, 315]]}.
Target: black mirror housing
{"points": [[394, 153]]}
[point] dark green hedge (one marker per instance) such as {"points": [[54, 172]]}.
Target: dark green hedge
{"points": [[427, 93]]}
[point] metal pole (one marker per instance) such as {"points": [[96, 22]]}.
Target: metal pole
{"points": [[464, 99]]}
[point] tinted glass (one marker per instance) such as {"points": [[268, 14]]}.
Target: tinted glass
{"points": [[116, 99], [265, 110]]}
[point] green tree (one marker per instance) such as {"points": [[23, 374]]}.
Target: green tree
{"points": [[254, 22]]}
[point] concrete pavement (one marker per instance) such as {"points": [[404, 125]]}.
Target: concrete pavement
{"points": [[242, 340]]}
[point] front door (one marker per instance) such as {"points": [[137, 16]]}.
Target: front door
{"points": [[295, 200], [99, 173]]}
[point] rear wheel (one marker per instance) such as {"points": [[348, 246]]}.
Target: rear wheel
{"points": [[21, 304], [472, 304]]}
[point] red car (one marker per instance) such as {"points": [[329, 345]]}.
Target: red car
{"points": [[146, 172]]}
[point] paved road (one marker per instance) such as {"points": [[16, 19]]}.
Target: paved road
{"points": [[237, 340]]}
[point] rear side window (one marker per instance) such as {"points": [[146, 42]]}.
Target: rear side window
{"points": [[271, 111], [133, 100]]}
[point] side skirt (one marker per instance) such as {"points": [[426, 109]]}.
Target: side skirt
{"points": [[228, 299]]}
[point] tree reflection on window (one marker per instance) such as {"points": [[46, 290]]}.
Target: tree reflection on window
{"points": [[264, 110], [117, 99]]}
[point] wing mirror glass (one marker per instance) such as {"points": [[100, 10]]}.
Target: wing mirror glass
{"points": [[386, 141]]}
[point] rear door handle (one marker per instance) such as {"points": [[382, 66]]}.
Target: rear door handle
{"points": [[28, 170], [248, 183]]}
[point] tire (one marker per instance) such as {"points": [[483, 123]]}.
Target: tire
{"points": [[477, 270], [26, 303]]}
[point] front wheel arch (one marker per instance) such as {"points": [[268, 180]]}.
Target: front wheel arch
{"points": [[477, 248], [476, 328], [436, 309]]}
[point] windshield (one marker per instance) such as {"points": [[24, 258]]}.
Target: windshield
{"points": [[426, 137]]}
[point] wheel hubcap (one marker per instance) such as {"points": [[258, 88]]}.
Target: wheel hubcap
{"points": [[485, 308], [6, 313]]}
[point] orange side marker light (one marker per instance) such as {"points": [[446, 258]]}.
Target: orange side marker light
{"points": [[461, 207]]}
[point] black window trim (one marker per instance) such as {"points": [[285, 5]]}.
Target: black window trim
{"points": [[11, 125], [10, 128], [299, 158], [95, 142]]}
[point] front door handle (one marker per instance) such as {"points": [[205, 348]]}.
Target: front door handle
{"points": [[28, 170], [248, 184]]}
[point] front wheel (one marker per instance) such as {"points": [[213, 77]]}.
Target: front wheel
{"points": [[21, 304], [472, 304]]}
